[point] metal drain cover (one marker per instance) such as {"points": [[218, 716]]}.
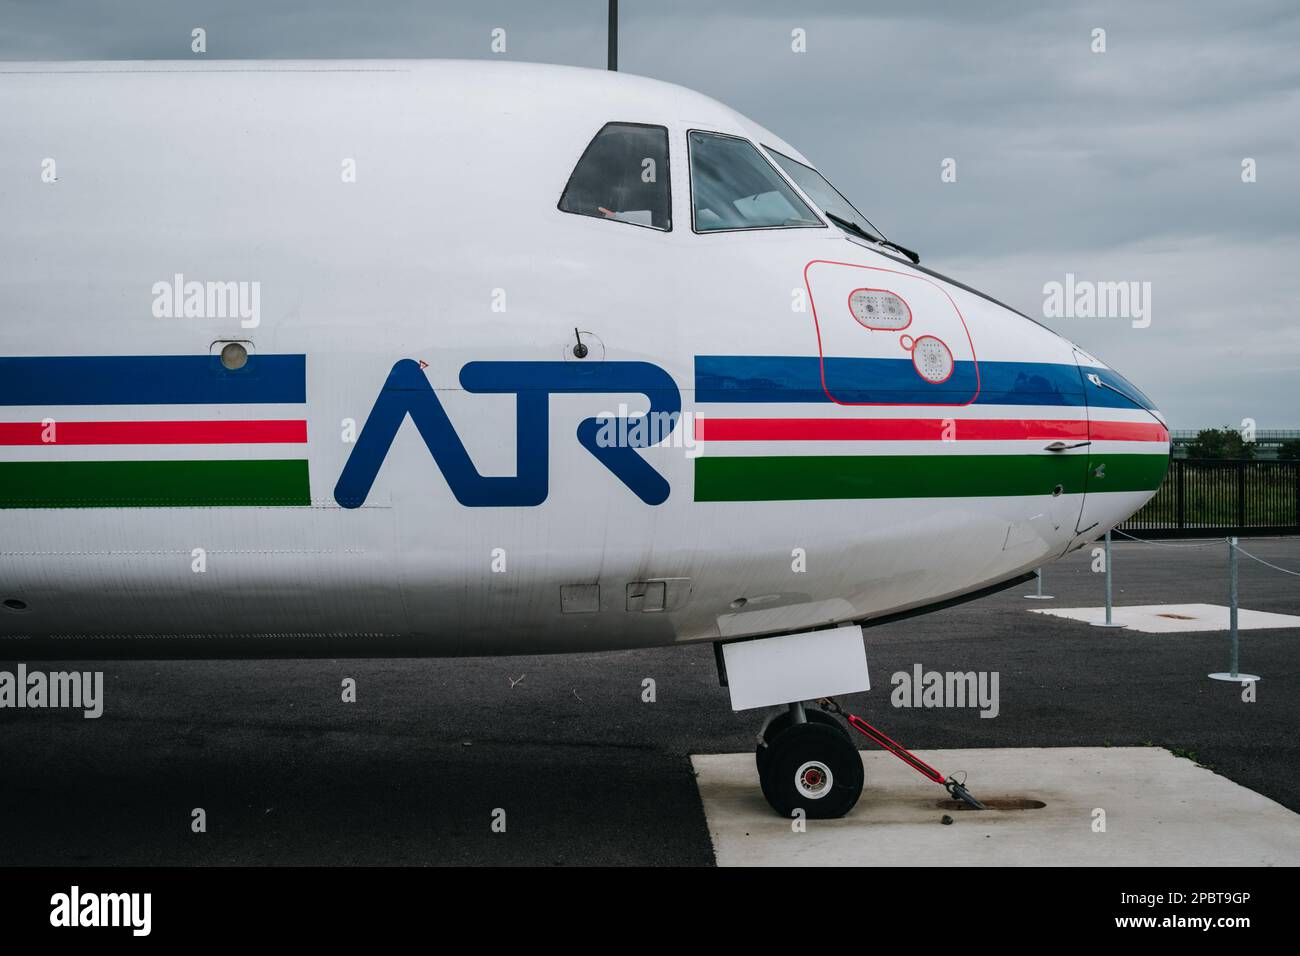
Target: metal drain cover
{"points": [[995, 803]]}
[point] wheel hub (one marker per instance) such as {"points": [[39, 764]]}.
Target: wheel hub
{"points": [[813, 779]]}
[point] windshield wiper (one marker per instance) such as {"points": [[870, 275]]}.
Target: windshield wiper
{"points": [[857, 230]]}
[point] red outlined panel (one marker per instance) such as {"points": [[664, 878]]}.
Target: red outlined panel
{"points": [[937, 317]]}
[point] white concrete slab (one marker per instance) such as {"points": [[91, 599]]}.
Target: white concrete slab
{"points": [[1160, 810], [1174, 618]]}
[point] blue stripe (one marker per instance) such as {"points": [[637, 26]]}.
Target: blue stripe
{"points": [[1130, 395], [776, 379], [151, 380]]}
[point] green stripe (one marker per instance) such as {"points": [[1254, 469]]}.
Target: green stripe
{"points": [[153, 484], [805, 477]]}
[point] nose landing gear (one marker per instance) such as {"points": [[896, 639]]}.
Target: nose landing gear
{"points": [[806, 760]]}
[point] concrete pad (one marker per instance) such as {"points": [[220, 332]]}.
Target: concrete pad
{"points": [[1160, 810], [1174, 618]]}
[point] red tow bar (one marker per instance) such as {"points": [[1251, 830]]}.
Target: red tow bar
{"points": [[955, 789]]}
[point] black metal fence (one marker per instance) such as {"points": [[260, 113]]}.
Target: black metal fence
{"points": [[1265, 443], [1202, 497]]}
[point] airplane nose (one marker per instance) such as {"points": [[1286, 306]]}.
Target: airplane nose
{"points": [[1128, 454], [1130, 396]]}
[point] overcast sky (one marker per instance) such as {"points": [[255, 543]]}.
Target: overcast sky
{"points": [[1117, 166]]}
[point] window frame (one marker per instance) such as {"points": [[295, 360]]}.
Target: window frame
{"points": [[690, 175], [668, 184], [836, 189]]}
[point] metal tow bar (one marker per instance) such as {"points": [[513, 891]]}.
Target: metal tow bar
{"points": [[956, 790]]}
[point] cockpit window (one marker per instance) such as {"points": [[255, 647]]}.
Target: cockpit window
{"points": [[817, 188], [623, 175], [733, 186]]}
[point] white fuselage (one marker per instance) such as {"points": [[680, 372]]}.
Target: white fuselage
{"points": [[393, 213]]}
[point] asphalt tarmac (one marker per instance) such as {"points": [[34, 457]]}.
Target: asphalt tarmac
{"points": [[585, 770]]}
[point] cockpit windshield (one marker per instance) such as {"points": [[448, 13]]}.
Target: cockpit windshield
{"points": [[734, 187], [828, 199]]}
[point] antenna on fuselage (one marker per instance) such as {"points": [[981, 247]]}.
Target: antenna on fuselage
{"points": [[613, 36]]}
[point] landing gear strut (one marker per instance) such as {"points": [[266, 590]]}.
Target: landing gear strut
{"points": [[806, 760]]}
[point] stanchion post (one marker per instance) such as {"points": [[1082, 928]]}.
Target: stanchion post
{"points": [[1109, 622], [1109, 595], [1232, 601], [1038, 595], [1233, 641]]}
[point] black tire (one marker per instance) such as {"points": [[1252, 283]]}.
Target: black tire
{"points": [[782, 720], [814, 767]]}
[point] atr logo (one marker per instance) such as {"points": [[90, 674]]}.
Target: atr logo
{"points": [[408, 392]]}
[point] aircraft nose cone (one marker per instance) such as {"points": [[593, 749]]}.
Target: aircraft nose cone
{"points": [[1128, 455], [1113, 390]]}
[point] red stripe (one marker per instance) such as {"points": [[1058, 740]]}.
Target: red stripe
{"points": [[1128, 431], [920, 429], [154, 433]]}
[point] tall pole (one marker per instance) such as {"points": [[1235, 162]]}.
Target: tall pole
{"points": [[1232, 600], [1108, 590], [613, 35], [1109, 622], [1233, 675]]}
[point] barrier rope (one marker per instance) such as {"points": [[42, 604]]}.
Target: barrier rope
{"points": [[1208, 544], [1165, 544], [1241, 550]]}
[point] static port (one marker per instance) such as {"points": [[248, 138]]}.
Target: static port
{"points": [[234, 355]]}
